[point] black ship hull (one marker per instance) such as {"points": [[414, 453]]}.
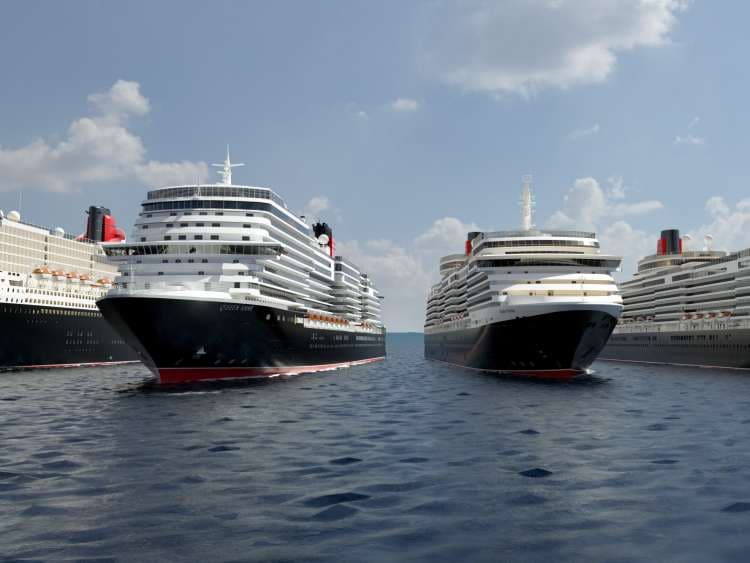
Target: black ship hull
{"points": [[552, 345], [729, 347], [184, 340], [35, 336]]}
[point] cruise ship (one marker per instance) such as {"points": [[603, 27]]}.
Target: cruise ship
{"points": [[685, 306], [529, 302], [49, 284], [223, 281]]}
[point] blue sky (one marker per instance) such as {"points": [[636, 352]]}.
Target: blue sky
{"points": [[405, 123]]}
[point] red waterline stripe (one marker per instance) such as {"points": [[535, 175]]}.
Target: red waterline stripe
{"points": [[536, 374], [184, 375]]}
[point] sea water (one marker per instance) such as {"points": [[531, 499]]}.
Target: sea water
{"points": [[404, 460]]}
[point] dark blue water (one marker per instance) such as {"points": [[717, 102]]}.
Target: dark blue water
{"points": [[399, 461]]}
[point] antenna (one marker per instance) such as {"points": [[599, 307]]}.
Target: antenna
{"points": [[527, 204], [226, 172]]}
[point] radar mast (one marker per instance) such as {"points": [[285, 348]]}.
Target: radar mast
{"points": [[527, 204], [226, 172]]}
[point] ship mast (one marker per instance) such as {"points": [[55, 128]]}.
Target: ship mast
{"points": [[226, 172], [527, 204]]}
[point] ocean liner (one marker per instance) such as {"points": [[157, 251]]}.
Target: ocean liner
{"points": [[539, 303], [49, 284], [223, 281], [686, 306]]}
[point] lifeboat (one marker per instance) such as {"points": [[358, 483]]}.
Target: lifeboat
{"points": [[85, 278], [72, 276], [37, 271], [711, 315], [726, 313], [58, 273], [699, 315], [104, 281]]}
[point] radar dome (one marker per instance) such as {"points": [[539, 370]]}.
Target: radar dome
{"points": [[323, 239], [14, 216], [59, 232]]}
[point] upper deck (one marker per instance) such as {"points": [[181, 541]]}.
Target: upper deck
{"points": [[215, 190]]}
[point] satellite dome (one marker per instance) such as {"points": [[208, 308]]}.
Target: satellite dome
{"points": [[323, 239], [14, 216], [59, 232]]}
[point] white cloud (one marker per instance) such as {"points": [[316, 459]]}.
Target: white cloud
{"points": [[689, 139], [638, 208], [587, 132], [405, 105], [315, 206], [583, 206], [404, 273], [523, 46], [616, 188], [96, 149], [124, 98], [443, 235], [586, 205], [621, 239], [155, 173], [729, 226]]}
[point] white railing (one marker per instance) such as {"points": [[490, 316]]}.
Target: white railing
{"points": [[718, 323]]}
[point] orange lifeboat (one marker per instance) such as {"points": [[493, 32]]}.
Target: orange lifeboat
{"points": [[105, 281], [58, 273]]}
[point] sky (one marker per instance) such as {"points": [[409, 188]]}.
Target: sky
{"points": [[402, 124]]}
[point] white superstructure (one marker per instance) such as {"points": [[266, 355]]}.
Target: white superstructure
{"points": [[50, 269], [507, 275], [687, 290], [240, 244]]}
